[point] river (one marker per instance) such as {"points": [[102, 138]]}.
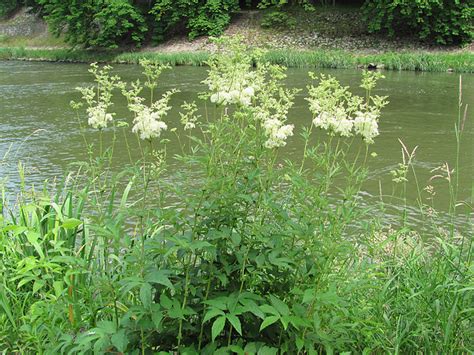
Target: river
{"points": [[38, 126]]}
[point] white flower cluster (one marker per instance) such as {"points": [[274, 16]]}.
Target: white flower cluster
{"points": [[98, 101], [341, 113], [148, 124], [231, 77], [276, 132], [98, 116], [189, 118], [272, 112], [234, 95], [337, 122], [148, 121], [365, 124]]}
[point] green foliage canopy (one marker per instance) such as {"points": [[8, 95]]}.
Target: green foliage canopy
{"points": [[441, 21], [110, 23]]}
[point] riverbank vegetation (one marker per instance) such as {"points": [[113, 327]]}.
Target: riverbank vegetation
{"points": [[461, 62], [238, 250], [120, 23]]}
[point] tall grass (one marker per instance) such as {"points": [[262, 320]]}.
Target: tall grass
{"points": [[241, 252], [462, 62]]}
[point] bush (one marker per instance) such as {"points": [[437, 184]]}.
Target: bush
{"points": [[440, 21], [7, 6], [95, 22], [278, 19], [208, 17]]}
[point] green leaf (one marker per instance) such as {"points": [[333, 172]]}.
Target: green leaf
{"points": [[212, 313], [159, 277], [235, 238], [309, 295], [220, 302], [299, 343], [266, 350], [38, 284], [269, 321], [157, 317], [251, 306], [218, 326], [235, 321], [58, 287], [120, 340], [25, 280], [33, 240], [269, 309], [71, 223], [145, 295], [165, 301], [280, 306]]}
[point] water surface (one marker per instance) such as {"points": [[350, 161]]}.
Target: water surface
{"points": [[38, 126]]}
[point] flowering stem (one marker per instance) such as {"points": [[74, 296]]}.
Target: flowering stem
{"points": [[305, 150]]}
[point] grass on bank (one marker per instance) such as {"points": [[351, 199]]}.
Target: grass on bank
{"points": [[462, 62]]}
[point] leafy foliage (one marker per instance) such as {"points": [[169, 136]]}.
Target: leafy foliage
{"points": [[241, 251], [7, 6], [209, 17], [443, 21], [95, 22], [278, 19]]}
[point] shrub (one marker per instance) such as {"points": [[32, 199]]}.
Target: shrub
{"points": [[441, 21], [7, 6], [94, 22], [278, 19], [208, 17]]}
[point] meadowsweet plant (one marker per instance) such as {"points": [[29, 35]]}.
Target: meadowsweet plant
{"points": [[148, 118], [240, 251], [230, 81], [342, 113], [99, 98]]}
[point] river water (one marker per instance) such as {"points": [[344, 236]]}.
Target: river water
{"points": [[38, 126]]}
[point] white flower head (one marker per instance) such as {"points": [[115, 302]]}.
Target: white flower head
{"points": [[98, 117], [323, 120], [366, 125], [148, 125]]}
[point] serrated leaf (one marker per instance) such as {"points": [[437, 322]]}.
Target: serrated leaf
{"points": [[166, 302], [308, 296], [299, 343], [252, 307], [212, 313], [157, 317], [220, 303], [269, 309], [159, 277], [269, 321], [235, 238], [280, 306], [218, 326], [145, 295], [120, 340], [235, 321]]}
